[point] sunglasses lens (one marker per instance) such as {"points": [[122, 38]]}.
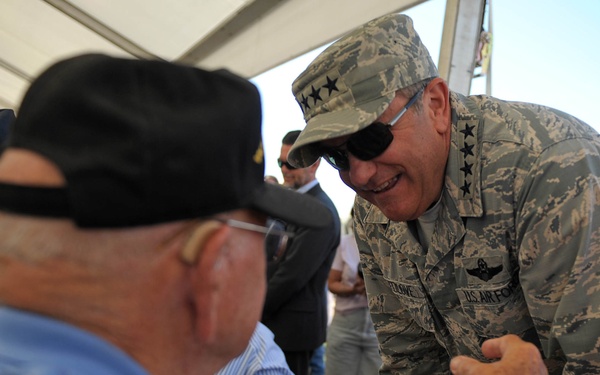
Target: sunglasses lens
{"points": [[281, 163], [371, 141], [366, 144], [337, 158]]}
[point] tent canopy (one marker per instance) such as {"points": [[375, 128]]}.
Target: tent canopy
{"points": [[246, 36]]}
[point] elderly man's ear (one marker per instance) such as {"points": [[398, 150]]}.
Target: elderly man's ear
{"points": [[192, 248], [205, 252]]}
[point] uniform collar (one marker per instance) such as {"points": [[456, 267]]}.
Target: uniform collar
{"points": [[464, 161]]}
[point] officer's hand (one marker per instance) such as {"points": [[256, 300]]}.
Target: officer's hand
{"points": [[516, 357]]}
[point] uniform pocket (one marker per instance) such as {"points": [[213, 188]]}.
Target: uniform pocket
{"points": [[497, 309], [412, 297]]}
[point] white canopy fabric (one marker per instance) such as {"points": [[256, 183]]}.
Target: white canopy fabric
{"points": [[246, 36]]}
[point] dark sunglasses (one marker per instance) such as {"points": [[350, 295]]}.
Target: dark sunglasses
{"points": [[281, 163], [367, 143]]}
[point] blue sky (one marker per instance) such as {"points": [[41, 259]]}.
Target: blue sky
{"points": [[544, 51]]}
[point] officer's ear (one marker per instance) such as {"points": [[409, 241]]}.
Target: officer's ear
{"points": [[436, 104]]}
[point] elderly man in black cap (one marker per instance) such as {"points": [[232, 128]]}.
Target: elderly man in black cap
{"points": [[7, 117], [132, 224]]}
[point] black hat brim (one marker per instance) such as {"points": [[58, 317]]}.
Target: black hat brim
{"points": [[291, 206]]}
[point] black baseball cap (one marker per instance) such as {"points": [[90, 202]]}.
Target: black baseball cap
{"points": [[144, 142], [7, 117]]}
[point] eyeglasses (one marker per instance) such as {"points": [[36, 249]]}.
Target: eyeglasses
{"points": [[281, 163], [367, 143], [276, 238]]}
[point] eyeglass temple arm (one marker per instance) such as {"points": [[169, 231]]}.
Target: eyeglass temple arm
{"points": [[406, 107]]}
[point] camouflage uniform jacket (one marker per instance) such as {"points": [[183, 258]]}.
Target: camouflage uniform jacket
{"points": [[515, 249]]}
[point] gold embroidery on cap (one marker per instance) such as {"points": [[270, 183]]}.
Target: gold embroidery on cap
{"points": [[259, 154]]}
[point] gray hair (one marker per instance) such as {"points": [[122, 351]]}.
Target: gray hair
{"points": [[34, 240], [411, 90]]}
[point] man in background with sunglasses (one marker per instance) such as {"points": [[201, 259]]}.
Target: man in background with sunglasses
{"points": [[296, 301], [476, 218], [132, 225]]}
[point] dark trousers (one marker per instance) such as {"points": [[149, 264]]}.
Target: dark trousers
{"points": [[299, 362]]}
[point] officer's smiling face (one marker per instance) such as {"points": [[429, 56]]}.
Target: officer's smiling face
{"points": [[408, 176]]}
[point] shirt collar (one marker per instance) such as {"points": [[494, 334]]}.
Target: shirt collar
{"points": [[59, 346], [307, 187]]}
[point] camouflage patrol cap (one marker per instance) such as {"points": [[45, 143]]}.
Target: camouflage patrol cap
{"points": [[349, 85]]}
